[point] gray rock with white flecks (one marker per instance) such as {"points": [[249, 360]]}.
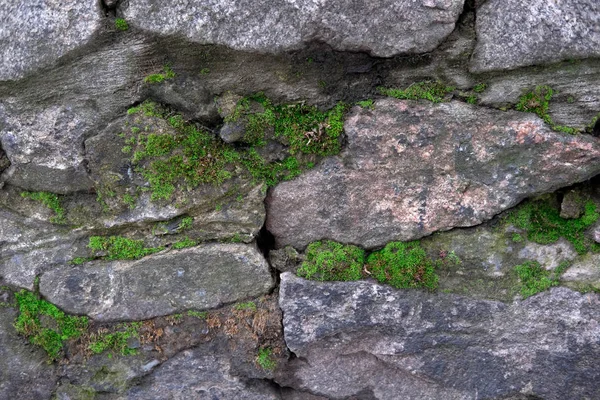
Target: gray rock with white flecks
{"points": [[36, 33], [359, 337], [513, 33], [201, 277], [412, 168], [383, 28]]}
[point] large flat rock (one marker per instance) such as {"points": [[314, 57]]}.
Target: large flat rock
{"points": [[36, 33], [200, 277], [360, 337], [383, 28], [513, 33], [412, 168]]}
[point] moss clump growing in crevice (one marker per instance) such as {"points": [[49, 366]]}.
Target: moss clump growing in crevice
{"points": [[332, 261], [120, 248], [160, 77], [184, 243], [51, 201], [544, 225], [398, 264], [249, 305], [192, 156], [121, 24], [403, 265], [535, 279], [435, 92], [368, 104], [537, 101], [265, 359], [45, 325], [116, 341]]}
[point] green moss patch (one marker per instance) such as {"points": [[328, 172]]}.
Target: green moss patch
{"points": [[45, 325], [265, 359], [160, 77], [117, 341], [542, 222], [332, 261], [120, 248], [435, 92], [537, 101], [535, 279], [51, 201], [403, 265], [121, 24]]}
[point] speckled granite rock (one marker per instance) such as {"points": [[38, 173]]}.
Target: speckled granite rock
{"points": [[36, 33], [383, 28], [413, 168], [512, 33], [358, 337]]}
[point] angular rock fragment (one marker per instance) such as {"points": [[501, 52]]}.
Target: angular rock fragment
{"points": [[24, 373], [36, 33], [357, 337], [413, 168], [512, 33], [383, 28], [195, 278]]}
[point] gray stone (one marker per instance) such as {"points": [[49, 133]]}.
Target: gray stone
{"points": [[512, 34], [35, 34], [198, 374], [572, 205], [24, 373], [276, 26], [585, 271], [412, 168], [232, 132], [286, 259], [355, 338], [195, 278], [549, 256]]}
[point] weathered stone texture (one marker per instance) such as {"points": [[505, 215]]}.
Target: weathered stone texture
{"points": [[35, 33], [382, 28], [357, 337], [196, 278], [513, 33], [24, 373], [412, 168]]}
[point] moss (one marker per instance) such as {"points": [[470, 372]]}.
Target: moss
{"points": [[185, 242], [538, 101], [80, 260], [45, 325], [433, 91], [121, 24], [204, 71], [472, 99], [535, 279], [185, 223], [121, 248], [250, 305], [480, 87], [160, 77], [369, 104], [517, 238], [403, 265], [332, 261], [51, 201], [265, 359], [198, 314], [116, 341], [542, 222]]}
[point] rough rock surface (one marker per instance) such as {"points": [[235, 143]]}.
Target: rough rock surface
{"points": [[383, 28], [412, 168], [199, 374], [359, 337], [196, 278], [36, 33], [584, 272], [512, 33], [24, 373]]}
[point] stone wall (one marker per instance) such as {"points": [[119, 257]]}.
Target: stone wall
{"points": [[251, 199]]}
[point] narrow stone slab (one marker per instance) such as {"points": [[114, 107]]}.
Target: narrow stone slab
{"points": [[357, 337], [514, 33], [382, 28], [196, 278], [412, 168], [35, 33]]}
